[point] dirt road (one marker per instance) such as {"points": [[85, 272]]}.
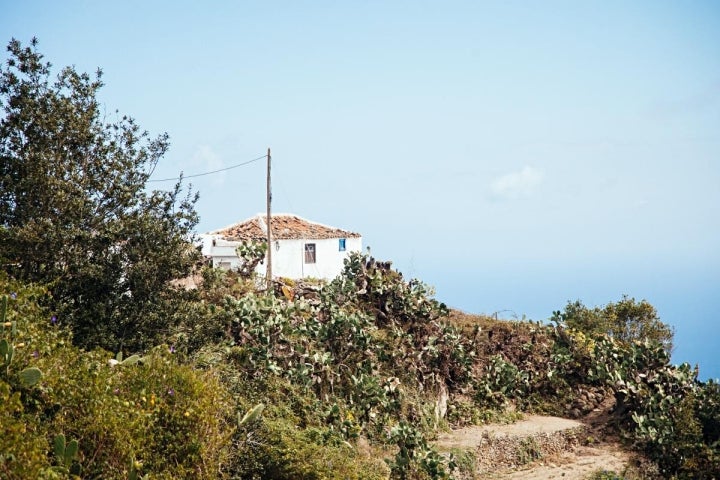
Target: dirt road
{"points": [[549, 448]]}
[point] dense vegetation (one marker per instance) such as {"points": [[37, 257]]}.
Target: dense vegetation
{"points": [[321, 384], [108, 371], [74, 213]]}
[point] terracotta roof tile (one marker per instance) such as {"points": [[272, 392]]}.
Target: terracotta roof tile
{"points": [[284, 227]]}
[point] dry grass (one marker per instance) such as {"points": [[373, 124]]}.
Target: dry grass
{"points": [[468, 323]]}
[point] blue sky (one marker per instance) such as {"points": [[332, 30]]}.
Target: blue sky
{"points": [[515, 155]]}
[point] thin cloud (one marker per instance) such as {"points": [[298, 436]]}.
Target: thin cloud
{"points": [[521, 184]]}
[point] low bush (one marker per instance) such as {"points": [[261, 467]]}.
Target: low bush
{"points": [[150, 412], [22, 454], [663, 409]]}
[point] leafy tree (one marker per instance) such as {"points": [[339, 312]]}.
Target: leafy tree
{"points": [[630, 320], [626, 320], [587, 320], [74, 212]]}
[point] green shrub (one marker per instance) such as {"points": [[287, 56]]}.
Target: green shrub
{"points": [[415, 458], [502, 381], [175, 420], [626, 321], [22, 454], [275, 448], [708, 411], [662, 408]]}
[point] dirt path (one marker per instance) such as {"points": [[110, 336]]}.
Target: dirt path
{"points": [[576, 465], [470, 437], [556, 451]]}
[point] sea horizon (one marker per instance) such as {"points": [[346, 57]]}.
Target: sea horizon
{"points": [[687, 298]]}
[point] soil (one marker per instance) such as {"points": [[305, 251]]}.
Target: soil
{"points": [[576, 465], [566, 460], [470, 437]]}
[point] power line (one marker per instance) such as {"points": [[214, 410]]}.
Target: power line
{"points": [[209, 173]]}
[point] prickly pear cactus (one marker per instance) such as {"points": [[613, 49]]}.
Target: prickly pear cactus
{"points": [[30, 376], [252, 415], [65, 452]]}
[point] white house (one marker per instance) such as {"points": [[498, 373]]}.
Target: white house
{"points": [[300, 248]]}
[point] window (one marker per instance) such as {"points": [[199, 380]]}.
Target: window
{"points": [[341, 244], [309, 253]]}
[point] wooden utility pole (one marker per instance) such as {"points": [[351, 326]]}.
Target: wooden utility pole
{"points": [[268, 219]]}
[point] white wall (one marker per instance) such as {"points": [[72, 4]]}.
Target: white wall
{"points": [[289, 258], [222, 252]]}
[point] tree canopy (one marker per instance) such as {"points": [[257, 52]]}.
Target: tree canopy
{"points": [[74, 210], [626, 320]]}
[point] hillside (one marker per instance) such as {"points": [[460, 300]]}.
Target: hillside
{"points": [[109, 369], [367, 376]]}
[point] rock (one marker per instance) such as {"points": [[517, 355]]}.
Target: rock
{"points": [[441, 404]]}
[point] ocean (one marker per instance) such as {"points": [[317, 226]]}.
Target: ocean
{"points": [[687, 297]]}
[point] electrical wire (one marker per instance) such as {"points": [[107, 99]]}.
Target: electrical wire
{"points": [[209, 173]]}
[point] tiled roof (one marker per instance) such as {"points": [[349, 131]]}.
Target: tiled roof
{"points": [[284, 227]]}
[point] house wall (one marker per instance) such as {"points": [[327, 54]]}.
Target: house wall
{"points": [[288, 258], [221, 252]]}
